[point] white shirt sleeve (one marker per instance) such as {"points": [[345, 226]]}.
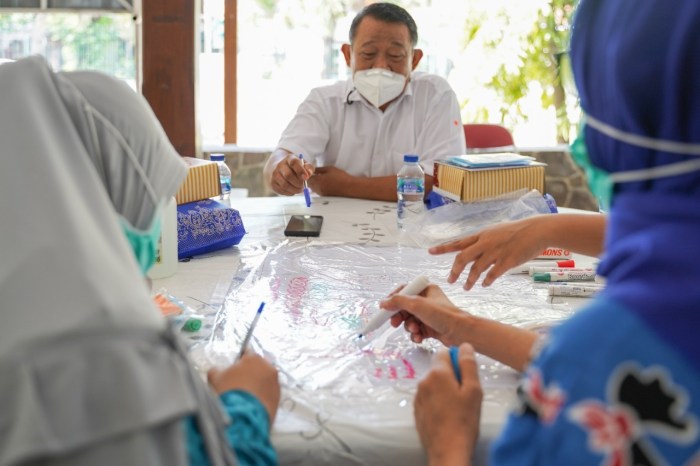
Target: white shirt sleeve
{"points": [[309, 131], [441, 134]]}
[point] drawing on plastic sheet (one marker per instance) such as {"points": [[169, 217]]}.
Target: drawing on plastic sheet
{"points": [[318, 297], [371, 232]]}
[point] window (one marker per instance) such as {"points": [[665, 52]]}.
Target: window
{"points": [[72, 34]]}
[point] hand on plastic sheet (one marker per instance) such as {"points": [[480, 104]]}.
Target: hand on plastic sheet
{"points": [[447, 413], [429, 315], [496, 249], [252, 374]]}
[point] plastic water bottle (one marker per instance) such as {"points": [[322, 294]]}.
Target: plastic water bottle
{"points": [[224, 175], [410, 189]]}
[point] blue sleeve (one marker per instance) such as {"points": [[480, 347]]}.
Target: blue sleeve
{"points": [[248, 433], [604, 390]]}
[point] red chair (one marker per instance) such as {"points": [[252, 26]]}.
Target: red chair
{"points": [[483, 136]]}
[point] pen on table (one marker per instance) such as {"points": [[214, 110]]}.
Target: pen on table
{"points": [[454, 357], [418, 284], [249, 334], [564, 276], [525, 268], [307, 193]]}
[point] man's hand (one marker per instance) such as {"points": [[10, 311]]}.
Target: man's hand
{"points": [[289, 173], [330, 181]]}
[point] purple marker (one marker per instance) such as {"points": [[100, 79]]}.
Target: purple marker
{"points": [[307, 193]]}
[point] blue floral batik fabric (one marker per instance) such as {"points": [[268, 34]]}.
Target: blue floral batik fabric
{"points": [[206, 226]]}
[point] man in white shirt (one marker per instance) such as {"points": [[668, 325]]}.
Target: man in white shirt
{"points": [[353, 134]]}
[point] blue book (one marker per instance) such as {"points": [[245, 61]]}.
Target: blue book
{"points": [[498, 159]]}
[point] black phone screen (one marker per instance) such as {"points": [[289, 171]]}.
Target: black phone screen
{"points": [[304, 225]]}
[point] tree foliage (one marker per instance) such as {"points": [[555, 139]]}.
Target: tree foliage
{"points": [[544, 60]]}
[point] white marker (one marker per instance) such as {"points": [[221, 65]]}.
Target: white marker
{"points": [[534, 270], [564, 277], [525, 268], [574, 290], [418, 284]]}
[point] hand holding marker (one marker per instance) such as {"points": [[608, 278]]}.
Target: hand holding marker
{"points": [[307, 193], [418, 284]]}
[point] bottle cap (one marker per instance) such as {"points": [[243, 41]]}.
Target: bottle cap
{"points": [[217, 157], [410, 158], [192, 325]]}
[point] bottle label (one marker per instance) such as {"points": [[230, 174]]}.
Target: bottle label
{"points": [[410, 185], [225, 184]]}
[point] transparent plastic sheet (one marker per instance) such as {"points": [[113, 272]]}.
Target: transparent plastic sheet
{"points": [[318, 297], [456, 219]]}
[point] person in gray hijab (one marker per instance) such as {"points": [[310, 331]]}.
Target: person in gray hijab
{"points": [[91, 372]]}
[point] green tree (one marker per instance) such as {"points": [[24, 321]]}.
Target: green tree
{"points": [[544, 59], [95, 42]]}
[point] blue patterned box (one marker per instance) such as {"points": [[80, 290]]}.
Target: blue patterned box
{"points": [[205, 226]]}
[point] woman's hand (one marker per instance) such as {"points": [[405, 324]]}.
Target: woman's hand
{"points": [[499, 248], [430, 315], [447, 413], [252, 374]]}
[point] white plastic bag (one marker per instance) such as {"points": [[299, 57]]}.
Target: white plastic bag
{"points": [[456, 219]]}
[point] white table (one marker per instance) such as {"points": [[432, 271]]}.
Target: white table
{"points": [[345, 401]]}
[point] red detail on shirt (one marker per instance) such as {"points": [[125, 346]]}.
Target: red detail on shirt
{"points": [[611, 430], [547, 402]]}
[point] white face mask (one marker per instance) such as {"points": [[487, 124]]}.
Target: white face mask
{"points": [[379, 86]]}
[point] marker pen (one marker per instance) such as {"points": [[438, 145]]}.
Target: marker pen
{"points": [[307, 193], [587, 284], [415, 287], [534, 270], [564, 277], [454, 357], [249, 333], [525, 268], [584, 291]]}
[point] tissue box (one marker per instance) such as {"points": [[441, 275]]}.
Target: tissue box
{"points": [[205, 226], [472, 184], [202, 181]]}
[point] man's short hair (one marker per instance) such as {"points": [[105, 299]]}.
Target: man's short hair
{"points": [[389, 13]]}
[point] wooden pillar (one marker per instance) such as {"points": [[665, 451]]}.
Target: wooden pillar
{"points": [[168, 60], [230, 71]]}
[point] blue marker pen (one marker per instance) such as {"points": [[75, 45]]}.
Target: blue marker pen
{"points": [[249, 333], [454, 357], [307, 193]]}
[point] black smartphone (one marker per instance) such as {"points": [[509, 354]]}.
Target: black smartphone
{"points": [[304, 225]]}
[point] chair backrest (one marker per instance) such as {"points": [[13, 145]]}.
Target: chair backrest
{"points": [[482, 136]]}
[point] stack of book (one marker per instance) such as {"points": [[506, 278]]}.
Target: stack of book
{"points": [[481, 176]]}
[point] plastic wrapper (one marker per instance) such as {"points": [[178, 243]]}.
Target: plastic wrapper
{"points": [[318, 297], [456, 219]]}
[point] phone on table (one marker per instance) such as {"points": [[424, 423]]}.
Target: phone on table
{"points": [[304, 225]]}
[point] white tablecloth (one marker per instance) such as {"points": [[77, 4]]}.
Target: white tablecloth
{"points": [[345, 401]]}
